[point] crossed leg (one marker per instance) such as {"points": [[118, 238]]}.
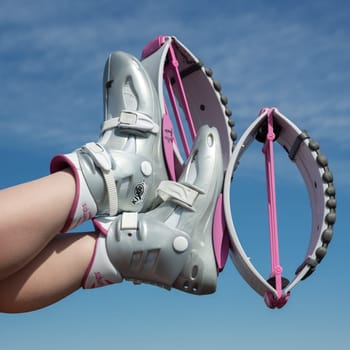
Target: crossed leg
{"points": [[38, 266]]}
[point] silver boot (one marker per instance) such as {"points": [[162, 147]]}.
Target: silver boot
{"points": [[172, 245], [121, 171]]}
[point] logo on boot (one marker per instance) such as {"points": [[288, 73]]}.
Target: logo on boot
{"points": [[139, 192]]}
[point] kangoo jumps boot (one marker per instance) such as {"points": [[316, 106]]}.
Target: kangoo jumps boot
{"points": [[170, 246], [121, 171]]}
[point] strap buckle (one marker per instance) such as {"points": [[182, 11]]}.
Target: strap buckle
{"points": [[178, 193], [131, 120], [102, 160]]}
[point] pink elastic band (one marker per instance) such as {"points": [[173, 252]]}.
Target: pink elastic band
{"points": [[172, 74], [276, 268], [173, 68]]}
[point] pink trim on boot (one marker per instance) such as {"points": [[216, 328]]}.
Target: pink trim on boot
{"points": [[83, 206]]}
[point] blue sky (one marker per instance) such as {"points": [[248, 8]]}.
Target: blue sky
{"points": [[291, 54]]}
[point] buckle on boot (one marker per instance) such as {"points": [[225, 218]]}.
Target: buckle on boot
{"points": [[131, 121], [178, 193], [102, 160]]}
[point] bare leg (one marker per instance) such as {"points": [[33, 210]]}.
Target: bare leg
{"points": [[31, 215], [55, 273]]}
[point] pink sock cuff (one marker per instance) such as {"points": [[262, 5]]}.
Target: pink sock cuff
{"points": [[83, 206], [100, 271]]}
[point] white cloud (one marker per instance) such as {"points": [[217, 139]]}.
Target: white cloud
{"points": [[52, 58]]}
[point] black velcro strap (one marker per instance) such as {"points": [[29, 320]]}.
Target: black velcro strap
{"points": [[298, 141]]}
